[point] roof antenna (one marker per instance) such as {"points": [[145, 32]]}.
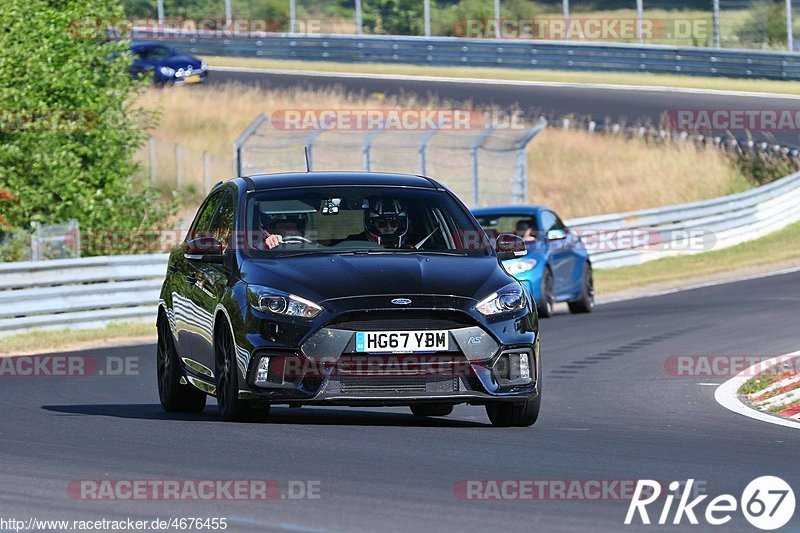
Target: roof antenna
{"points": [[308, 161]]}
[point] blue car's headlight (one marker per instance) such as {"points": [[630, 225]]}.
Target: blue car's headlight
{"points": [[203, 66], [280, 303], [166, 71], [520, 266], [509, 299]]}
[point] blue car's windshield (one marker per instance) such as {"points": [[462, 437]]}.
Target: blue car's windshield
{"points": [[524, 226], [359, 220], [155, 53]]}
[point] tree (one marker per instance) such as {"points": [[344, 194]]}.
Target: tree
{"points": [[68, 123]]}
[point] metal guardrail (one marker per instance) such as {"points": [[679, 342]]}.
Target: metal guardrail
{"points": [[716, 224], [529, 54], [86, 292], [98, 290]]}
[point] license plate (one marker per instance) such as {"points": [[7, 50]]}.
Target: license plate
{"points": [[193, 79], [402, 341]]}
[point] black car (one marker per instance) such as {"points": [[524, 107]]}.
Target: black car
{"points": [[358, 289], [166, 65]]}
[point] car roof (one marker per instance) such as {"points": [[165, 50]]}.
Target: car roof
{"points": [[330, 179], [508, 210], [148, 44]]}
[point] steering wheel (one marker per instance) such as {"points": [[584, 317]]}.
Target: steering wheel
{"points": [[296, 239]]}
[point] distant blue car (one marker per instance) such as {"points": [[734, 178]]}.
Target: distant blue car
{"points": [[557, 267], [167, 65]]}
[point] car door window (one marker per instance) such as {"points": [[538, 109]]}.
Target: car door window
{"points": [[558, 223], [548, 221], [201, 227], [222, 226]]}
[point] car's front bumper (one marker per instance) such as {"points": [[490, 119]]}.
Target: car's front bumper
{"points": [[328, 370]]}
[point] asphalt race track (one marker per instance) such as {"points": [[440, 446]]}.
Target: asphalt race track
{"points": [[628, 106], [610, 412]]}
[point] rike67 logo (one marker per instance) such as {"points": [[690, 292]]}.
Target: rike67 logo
{"points": [[767, 503]]}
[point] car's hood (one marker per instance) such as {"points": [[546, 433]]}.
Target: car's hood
{"points": [[324, 277]]}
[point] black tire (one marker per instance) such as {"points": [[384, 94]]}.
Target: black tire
{"points": [[584, 304], [231, 407], [431, 409], [544, 307], [175, 396], [506, 414]]}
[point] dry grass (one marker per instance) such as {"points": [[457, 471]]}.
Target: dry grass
{"points": [[574, 172], [51, 341], [579, 174]]}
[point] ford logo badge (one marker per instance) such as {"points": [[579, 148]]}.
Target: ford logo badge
{"points": [[401, 301]]}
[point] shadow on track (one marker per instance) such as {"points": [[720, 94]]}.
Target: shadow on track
{"points": [[278, 415]]}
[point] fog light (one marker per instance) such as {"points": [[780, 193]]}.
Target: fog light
{"points": [[262, 372], [524, 366], [501, 367]]}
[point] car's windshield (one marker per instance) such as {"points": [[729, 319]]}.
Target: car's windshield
{"points": [[522, 225], [155, 52], [359, 220]]}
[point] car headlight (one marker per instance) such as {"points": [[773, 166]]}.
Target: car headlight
{"points": [[203, 65], [166, 71], [280, 303], [519, 266], [507, 300]]}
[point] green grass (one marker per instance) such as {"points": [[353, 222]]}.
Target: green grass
{"points": [[608, 78], [69, 339], [760, 382], [773, 248]]}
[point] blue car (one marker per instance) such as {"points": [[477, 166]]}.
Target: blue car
{"points": [[557, 267], [166, 65]]}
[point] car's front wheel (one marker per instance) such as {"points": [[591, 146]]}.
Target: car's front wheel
{"points": [[176, 397], [544, 307], [506, 414], [585, 303], [231, 407], [431, 409]]}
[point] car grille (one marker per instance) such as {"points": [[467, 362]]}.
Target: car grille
{"points": [[397, 384], [360, 374], [402, 321]]}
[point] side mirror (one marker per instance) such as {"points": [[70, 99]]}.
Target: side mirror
{"points": [[205, 250], [556, 235], [510, 247]]}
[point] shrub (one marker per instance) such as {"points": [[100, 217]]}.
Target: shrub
{"points": [[765, 25], [68, 128]]}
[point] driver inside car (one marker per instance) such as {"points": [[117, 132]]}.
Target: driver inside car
{"points": [[276, 228], [525, 230], [385, 222]]}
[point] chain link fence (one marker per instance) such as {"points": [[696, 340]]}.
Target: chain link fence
{"points": [[484, 166], [170, 166]]}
